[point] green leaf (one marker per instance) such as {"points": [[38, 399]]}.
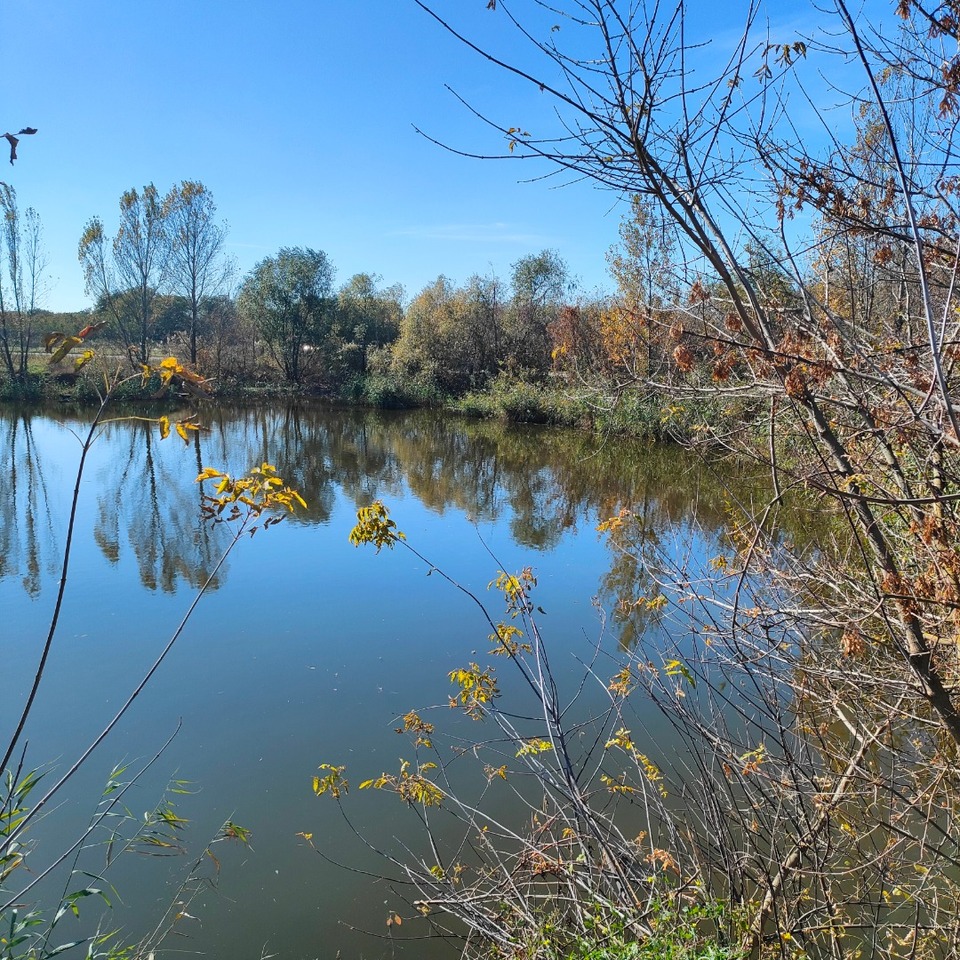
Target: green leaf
{"points": [[64, 947]]}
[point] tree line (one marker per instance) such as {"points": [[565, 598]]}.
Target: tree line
{"points": [[163, 280]]}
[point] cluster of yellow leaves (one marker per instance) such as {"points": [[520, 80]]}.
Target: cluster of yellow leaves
{"points": [[515, 589], [422, 730], [58, 344], [663, 859], [615, 523], [80, 362], [622, 739], [618, 786], [171, 372], [752, 760], [514, 133], [509, 585], [452, 874], [332, 782], [183, 427], [533, 746], [250, 496], [506, 644], [677, 668], [626, 606], [477, 689], [411, 787], [652, 772], [624, 335], [622, 682], [375, 526]]}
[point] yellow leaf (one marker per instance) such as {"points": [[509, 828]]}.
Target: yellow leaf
{"points": [[183, 426], [65, 347], [164, 423], [534, 746], [83, 359]]}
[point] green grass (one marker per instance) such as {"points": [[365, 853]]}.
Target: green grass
{"points": [[670, 928]]}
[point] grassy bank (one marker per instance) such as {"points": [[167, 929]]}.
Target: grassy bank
{"points": [[642, 414]]}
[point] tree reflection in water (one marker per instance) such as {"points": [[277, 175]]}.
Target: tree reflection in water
{"points": [[542, 482], [29, 544], [151, 502]]}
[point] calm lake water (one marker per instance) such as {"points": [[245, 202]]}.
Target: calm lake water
{"points": [[306, 650]]}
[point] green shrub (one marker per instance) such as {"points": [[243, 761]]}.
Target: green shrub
{"points": [[520, 401], [678, 931], [388, 391]]}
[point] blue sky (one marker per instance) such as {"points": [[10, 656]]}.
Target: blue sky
{"points": [[299, 117]]}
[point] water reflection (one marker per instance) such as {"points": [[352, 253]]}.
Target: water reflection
{"points": [[28, 541], [151, 502], [545, 480], [543, 483]]}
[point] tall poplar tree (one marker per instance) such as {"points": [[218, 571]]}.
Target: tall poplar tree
{"points": [[197, 269], [124, 274]]}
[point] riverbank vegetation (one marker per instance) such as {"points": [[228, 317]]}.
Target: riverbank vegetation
{"points": [[532, 348]]}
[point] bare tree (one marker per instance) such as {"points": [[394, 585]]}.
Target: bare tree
{"points": [[197, 268], [125, 275], [22, 286]]}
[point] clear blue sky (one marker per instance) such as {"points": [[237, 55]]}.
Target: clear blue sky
{"points": [[298, 115]]}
